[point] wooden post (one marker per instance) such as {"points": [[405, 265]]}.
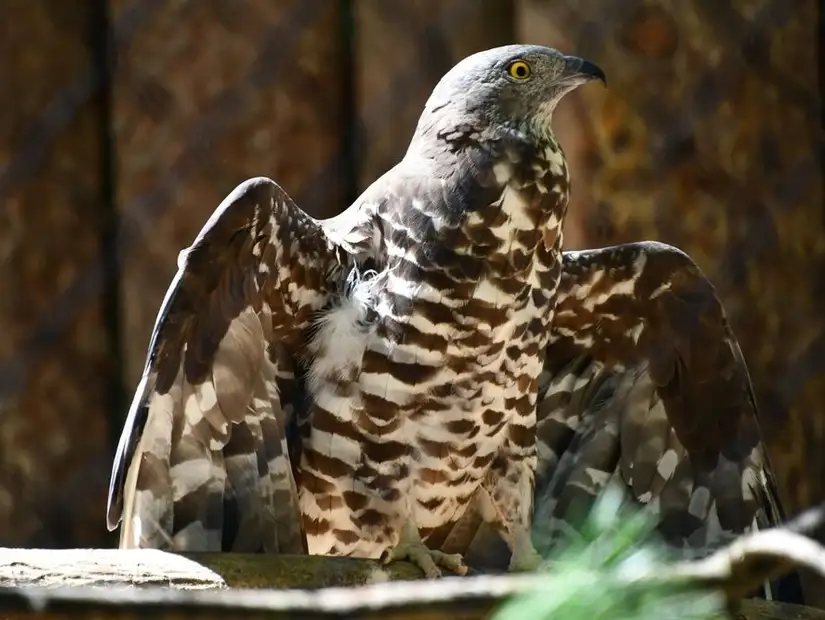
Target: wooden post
{"points": [[708, 137], [401, 51], [55, 350], [208, 94]]}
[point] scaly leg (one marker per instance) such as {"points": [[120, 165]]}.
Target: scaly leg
{"points": [[510, 488], [412, 548]]}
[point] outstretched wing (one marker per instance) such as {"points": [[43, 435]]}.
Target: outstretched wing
{"points": [[202, 463], [645, 385]]}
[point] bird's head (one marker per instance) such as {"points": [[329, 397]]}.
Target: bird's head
{"points": [[513, 85]]}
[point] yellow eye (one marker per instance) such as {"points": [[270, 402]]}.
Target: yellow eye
{"points": [[519, 70]]}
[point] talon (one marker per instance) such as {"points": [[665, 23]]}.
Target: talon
{"points": [[453, 562]]}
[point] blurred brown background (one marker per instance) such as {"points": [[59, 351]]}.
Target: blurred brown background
{"points": [[124, 123]]}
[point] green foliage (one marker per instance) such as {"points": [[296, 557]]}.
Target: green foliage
{"points": [[606, 575]]}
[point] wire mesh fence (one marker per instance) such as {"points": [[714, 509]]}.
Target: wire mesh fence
{"points": [[126, 123]]}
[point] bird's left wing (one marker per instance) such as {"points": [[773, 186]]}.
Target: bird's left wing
{"points": [[645, 385]]}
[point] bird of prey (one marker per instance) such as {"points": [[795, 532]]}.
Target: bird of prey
{"points": [[430, 363]]}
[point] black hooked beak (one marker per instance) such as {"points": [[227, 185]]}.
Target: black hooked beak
{"points": [[579, 69]]}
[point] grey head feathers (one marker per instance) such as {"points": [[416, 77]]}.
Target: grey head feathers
{"points": [[513, 86]]}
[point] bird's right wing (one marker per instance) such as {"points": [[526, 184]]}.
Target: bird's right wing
{"points": [[202, 463]]}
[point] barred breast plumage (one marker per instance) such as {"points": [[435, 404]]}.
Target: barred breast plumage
{"points": [[425, 378]]}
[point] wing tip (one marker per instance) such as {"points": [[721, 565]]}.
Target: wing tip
{"points": [[113, 515], [125, 451], [114, 502]]}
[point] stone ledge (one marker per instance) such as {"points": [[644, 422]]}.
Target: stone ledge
{"points": [[46, 568]]}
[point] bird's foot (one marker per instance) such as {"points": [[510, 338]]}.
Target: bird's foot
{"points": [[430, 561]]}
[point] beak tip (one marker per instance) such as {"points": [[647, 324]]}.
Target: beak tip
{"points": [[580, 66], [594, 71]]}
